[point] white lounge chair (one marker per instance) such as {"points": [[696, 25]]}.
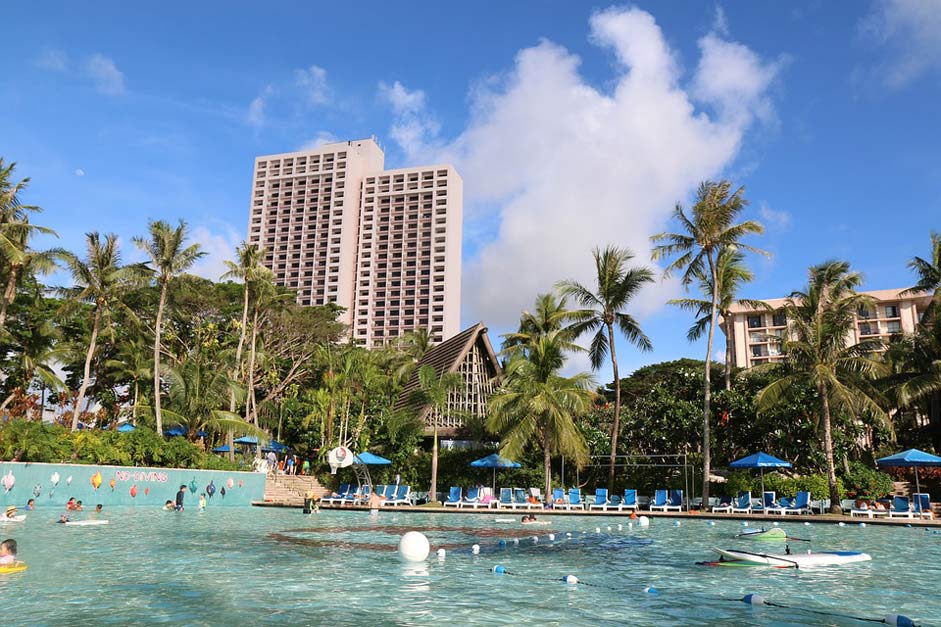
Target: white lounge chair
{"points": [[724, 506], [743, 504], [402, 494], [922, 505], [341, 495], [628, 501], [506, 499], [454, 497], [574, 500], [901, 508], [472, 499], [601, 500]]}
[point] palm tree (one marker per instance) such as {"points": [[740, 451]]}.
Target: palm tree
{"points": [[102, 282], [550, 314], [131, 363], [434, 391], [169, 259], [732, 274], [817, 354], [929, 277], [616, 285], [536, 405], [15, 231], [36, 352], [708, 229]]}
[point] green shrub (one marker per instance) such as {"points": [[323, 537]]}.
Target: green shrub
{"points": [[818, 486], [863, 481]]}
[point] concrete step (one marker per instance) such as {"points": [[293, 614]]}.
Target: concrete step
{"points": [[292, 488]]}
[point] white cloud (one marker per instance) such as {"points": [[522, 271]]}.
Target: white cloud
{"points": [[218, 246], [79, 172], [106, 76], [560, 165], [910, 32], [53, 60], [415, 129], [772, 218], [256, 109], [720, 23], [313, 82], [323, 137]]}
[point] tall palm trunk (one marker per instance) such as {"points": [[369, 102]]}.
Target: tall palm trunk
{"points": [[728, 355], [136, 400], [9, 293], [707, 389], [835, 507], [616, 427], [433, 490], [230, 436], [547, 463], [158, 414], [87, 372]]}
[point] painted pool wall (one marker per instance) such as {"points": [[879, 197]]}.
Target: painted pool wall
{"points": [[154, 486]]}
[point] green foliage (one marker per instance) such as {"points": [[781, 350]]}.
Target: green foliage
{"points": [[863, 481]]}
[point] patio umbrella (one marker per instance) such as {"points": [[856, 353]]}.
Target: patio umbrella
{"points": [[912, 458], [247, 439], [760, 461], [126, 427], [494, 461], [221, 449], [369, 459]]}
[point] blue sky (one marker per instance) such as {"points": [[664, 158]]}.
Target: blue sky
{"points": [[572, 124]]}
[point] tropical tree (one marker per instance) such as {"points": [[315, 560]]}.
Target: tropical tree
{"points": [[131, 363], [616, 285], [929, 277], [35, 352], [817, 353], [537, 405], [433, 391], [710, 227], [550, 314], [101, 282], [169, 258], [732, 274]]}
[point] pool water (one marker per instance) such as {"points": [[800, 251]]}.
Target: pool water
{"points": [[280, 567]]}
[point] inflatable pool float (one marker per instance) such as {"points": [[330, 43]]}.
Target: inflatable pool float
{"points": [[15, 567], [775, 533], [86, 523], [794, 560], [19, 518]]}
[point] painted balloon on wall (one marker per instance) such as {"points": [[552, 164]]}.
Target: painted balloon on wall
{"points": [[134, 491], [229, 483], [112, 483], [54, 479], [210, 489], [69, 480], [146, 491], [9, 481], [96, 480]]}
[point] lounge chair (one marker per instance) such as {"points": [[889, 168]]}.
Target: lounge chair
{"points": [[340, 495], [574, 500], [472, 499], [487, 499], [767, 502], [454, 497], [781, 506], [519, 499], [402, 494], [536, 493], [867, 512], [380, 490], [923, 505], [901, 508], [558, 497], [660, 501], [362, 496], [801, 504], [506, 499], [628, 501], [676, 501], [601, 500], [724, 506], [742, 504]]}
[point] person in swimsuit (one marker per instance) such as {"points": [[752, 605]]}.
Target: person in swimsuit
{"points": [[179, 499], [7, 552]]}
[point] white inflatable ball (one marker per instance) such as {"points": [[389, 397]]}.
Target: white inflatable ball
{"points": [[620, 526], [414, 547], [597, 529], [570, 579], [475, 549], [551, 536], [442, 553], [643, 521], [676, 523], [862, 524]]}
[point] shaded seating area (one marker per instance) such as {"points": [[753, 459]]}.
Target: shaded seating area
{"points": [[574, 500], [742, 504], [901, 508], [667, 500]]}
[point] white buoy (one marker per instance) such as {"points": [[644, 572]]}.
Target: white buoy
{"points": [[516, 540], [568, 534], [535, 539], [676, 523], [570, 579], [609, 527], [897, 620], [475, 549], [414, 547], [441, 554], [597, 529], [775, 523], [551, 537], [753, 599], [711, 523], [643, 521], [651, 590], [806, 524], [841, 524], [862, 524], [620, 526], [630, 525], [744, 523]]}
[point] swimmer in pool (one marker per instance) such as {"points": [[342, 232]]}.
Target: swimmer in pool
{"points": [[7, 552]]}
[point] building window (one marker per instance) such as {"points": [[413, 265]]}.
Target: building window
{"points": [[864, 313], [894, 326], [892, 311], [779, 319], [754, 322], [758, 351], [868, 329]]}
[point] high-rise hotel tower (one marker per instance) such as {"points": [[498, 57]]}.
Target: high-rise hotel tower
{"points": [[384, 244]]}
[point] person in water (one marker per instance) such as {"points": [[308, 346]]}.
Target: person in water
{"points": [[11, 511], [30, 505], [202, 501], [179, 498], [528, 519], [8, 551], [168, 506], [70, 504], [78, 506], [98, 508]]}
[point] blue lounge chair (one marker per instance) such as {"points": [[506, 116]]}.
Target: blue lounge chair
{"points": [[402, 494], [472, 499], [601, 500], [666, 500], [380, 490], [574, 500], [901, 508], [767, 502], [801, 504], [506, 499], [340, 496], [558, 497], [362, 496], [454, 498], [519, 498], [676, 501], [724, 506], [629, 500], [742, 504], [922, 505]]}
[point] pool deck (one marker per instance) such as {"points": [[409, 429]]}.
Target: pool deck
{"points": [[695, 515]]}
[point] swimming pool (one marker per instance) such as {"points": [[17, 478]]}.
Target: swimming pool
{"points": [[280, 567]]}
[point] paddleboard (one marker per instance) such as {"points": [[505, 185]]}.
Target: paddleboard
{"points": [[795, 560], [86, 523], [19, 518], [505, 520], [15, 567], [775, 533]]}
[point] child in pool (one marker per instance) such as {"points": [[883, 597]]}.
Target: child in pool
{"points": [[8, 551], [30, 505], [202, 501], [169, 506], [11, 511]]}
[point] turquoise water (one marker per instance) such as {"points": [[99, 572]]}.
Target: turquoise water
{"points": [[280, 567]]}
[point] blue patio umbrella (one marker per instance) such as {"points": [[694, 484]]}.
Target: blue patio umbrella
{"points": [[760, 461], [277, 447], [912, 458], [221, 449], [247, 439], [494, 461], [126, 427], [370, 459]]}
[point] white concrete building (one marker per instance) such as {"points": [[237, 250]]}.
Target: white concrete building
{"points": [[385, 245]]}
